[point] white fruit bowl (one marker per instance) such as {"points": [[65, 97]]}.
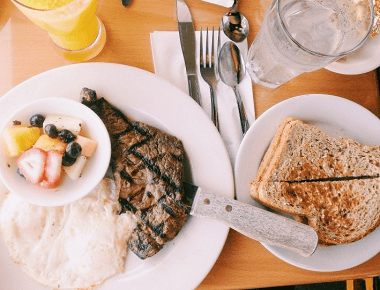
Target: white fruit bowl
{"points": [[68, 190]]}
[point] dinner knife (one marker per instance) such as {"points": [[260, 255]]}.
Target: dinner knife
{"points": [[251, 221], [187, 39]]}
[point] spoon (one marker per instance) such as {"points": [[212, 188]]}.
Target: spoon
{"points": [[125, 2], [234, 24], [231, 71]]}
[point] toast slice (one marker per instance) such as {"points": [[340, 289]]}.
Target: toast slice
{"points": [[341, 211], [300, 151], [329, 184]]}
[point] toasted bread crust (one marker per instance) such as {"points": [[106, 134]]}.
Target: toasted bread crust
{"points": [[330, 184], [270, 155], [275, 145], [341, 211], [304, 152]]}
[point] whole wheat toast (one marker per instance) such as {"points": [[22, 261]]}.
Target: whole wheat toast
{"points": [[308, 174], [300, 151], [341, 211]]}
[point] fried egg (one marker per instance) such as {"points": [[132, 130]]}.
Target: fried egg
{"points": [[78, 245]]}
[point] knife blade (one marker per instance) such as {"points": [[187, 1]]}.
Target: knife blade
{"points": [[187, 39], [251, 221]]}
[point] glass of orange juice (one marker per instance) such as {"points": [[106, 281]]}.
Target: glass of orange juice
{"points": [[76, 32]]}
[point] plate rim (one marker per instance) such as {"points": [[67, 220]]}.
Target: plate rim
{"points": [[282, 110], [360, 65], [190, 105]]}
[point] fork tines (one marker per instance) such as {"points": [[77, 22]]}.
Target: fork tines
{"points": [[208, 69], [210, 59]]}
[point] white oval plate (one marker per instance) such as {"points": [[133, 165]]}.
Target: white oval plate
{"points": [[365, 59], [185, 261], [339, 118]]}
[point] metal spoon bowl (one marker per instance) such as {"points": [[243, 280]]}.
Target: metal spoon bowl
{"points": [[234, 24], [232, 71]]}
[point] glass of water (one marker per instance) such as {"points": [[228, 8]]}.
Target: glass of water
{"points": [[300, 36]]}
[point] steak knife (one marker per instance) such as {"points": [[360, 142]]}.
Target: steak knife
{"points": [[253, 222], [187, 39]]}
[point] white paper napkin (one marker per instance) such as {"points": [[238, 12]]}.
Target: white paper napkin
{"points": [[169, 64], [225, 3]]}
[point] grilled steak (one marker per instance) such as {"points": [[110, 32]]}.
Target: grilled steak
{"points": [[147, 168]]}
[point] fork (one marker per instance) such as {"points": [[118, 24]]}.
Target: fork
{"points": [[208, 71]]}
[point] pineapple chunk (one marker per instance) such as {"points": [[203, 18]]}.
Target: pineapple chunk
{"points": [[62, 122], [46, 143], [75, 171], [18, 139], [88, 145]]}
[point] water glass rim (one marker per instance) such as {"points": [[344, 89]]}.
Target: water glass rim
{"points": [[339, 55]]}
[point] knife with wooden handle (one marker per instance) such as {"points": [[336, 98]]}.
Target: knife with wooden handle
{"points": [[253, 222]]}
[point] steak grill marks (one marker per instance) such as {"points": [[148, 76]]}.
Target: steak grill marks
{"points": [[147, 167]]}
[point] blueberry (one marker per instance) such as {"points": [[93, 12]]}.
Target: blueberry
{"points": [[37, 120], [67, 160], [73, 149], [66, 136], [51, 130]]}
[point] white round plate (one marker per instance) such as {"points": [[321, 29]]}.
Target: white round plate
{"points": [[185, 261], [68, 190], [365, 59], [337, 117]]}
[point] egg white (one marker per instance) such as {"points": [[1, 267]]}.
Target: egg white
{"points": [[78, 245]]}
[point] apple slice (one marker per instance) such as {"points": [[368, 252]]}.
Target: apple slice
{"points": [[88, 145], [63, 122], [74, 171]]}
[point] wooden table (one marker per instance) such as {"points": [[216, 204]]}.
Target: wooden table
{"points": [[25, 51]]}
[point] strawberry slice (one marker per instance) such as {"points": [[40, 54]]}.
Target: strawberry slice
{"points": [[53, 167], [32, 164]]}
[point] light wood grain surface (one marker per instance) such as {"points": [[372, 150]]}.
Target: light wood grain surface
{"points": [[256, 223], [244, 263]]}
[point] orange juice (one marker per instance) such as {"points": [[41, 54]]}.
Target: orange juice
{"points": [[45, 4], [72, 25]]}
